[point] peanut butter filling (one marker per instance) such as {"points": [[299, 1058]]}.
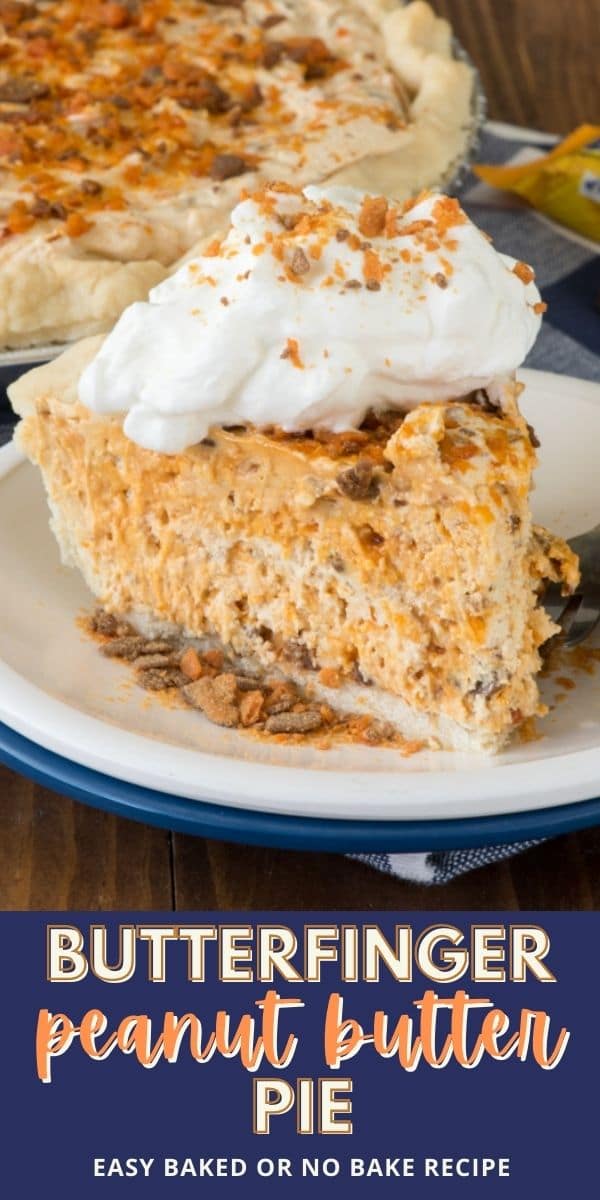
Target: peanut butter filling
{"points": [[401, 555]]}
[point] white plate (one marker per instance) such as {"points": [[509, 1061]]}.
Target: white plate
{"points": [[56, 690]]}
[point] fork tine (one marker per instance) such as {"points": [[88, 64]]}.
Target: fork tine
{"points": [[554, 602], [583, 623], [578, 615], [570, 614]]}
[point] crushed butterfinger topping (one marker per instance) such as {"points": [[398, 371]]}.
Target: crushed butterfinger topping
{"points": [[299, 263], [251, 706], [372, 216], [524, 272], [190, 664], [233, 693], [217, 698], [76, 225], [318, 223], [373, 270], [294, 722], [292, 351]]}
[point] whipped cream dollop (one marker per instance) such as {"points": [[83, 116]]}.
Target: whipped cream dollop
{"points": [[316, 307]]}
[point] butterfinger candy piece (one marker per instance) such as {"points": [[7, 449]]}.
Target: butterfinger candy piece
{"points": [[216, 698], [294, 722]]}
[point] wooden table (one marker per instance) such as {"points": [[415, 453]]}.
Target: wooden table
{"points": [[538, 61]]}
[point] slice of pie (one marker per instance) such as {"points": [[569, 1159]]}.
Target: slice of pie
{"points": [[307, 450], [127, 130]]}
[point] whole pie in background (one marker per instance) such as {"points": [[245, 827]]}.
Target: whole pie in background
{"points": [[128, 130]]}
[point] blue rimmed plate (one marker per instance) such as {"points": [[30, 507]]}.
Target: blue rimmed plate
{"points": [[268, 829], [78, 720]]}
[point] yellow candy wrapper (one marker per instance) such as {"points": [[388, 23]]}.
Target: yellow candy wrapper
{"points": [[565, 184]]}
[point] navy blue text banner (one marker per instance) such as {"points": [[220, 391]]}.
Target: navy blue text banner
{"points": [[430, 1054]]}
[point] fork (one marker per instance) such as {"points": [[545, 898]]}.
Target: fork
{"points": [[579, 615]]}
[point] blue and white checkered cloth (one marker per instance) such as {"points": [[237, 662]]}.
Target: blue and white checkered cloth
{"points": [[567, 271]]}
